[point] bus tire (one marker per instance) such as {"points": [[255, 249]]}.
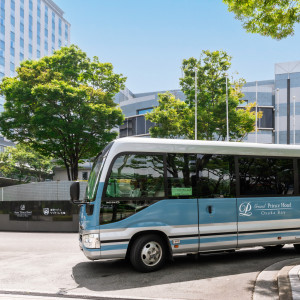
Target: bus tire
{"points": [[297, 247], [148, 253], [274, 248]]}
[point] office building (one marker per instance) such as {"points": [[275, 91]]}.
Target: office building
{"points": [[278, 99], [29, 29]]}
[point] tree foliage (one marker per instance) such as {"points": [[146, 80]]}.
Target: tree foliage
{"points": [[62, 105], [23, 163], [274, 18], [175, 118]]}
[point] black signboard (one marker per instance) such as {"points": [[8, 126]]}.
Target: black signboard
{"points": [[39, 210]]}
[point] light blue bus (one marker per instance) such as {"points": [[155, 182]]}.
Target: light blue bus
{"points": [[149, 199]]}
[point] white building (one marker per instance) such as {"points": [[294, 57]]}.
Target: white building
{"points": [[29, 29]]}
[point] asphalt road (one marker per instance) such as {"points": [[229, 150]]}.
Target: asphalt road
{"points": [[47, 264]]}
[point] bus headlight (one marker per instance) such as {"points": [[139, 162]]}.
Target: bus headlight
{"points": [[91, 241]]}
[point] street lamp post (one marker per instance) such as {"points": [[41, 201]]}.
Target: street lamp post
{"points": [[256, 112], [294, 119], [196, 106], [277, 90], [227, 116]]}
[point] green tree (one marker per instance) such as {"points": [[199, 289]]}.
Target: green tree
{"points": [[22, 162], [175, 118], [274, 18], [62, 105]]}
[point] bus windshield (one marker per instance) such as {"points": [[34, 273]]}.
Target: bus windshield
{"points": [[95, 175]]}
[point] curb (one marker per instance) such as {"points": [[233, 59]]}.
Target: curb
{"points": [[284, 285], [273, 282]]}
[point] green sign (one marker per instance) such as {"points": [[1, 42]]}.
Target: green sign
{"points": [[182, 191]]}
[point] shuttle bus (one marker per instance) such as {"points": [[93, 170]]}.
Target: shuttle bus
{"points": [[149, 199]]}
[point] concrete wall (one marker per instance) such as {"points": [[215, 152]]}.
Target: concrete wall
{"points": [[40, 206]]}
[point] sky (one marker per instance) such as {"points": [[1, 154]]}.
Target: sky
{"points": [[146, 40]]}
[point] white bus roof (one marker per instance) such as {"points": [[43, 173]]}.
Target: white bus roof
{"points": [[137, 144]]}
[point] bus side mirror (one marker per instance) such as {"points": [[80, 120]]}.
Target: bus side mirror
{"points": [[75, 192]]}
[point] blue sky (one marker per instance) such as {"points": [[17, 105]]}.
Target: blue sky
{"points": [[146, 40]]}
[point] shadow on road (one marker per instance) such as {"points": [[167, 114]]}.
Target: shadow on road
{"points": [[118, 274]]}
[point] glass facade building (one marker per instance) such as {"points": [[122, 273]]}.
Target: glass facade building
{"points": [[29, 29]]}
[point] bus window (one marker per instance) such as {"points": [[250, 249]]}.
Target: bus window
{"points": [[181, 174], [136, 176], [215, 176], [266, 176]]}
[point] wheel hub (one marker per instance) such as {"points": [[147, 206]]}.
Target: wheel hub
{"points": [[151, 253]]}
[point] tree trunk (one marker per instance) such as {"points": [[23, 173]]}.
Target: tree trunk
{"points": [[68, 170], [74, 170]]}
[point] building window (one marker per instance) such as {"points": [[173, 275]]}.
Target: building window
{"points": [[53, 21], [2, 61], [30, 34], [12, 51], [1, 75], [38, 40], [66, 32], [2, 13], [135, 126], [53, 38], [2, 29], [59, 43], [12, 66], [12, 21], [22, 12], [46, 32], [3, 4], [30, 48], [59, 27], [38, 53], [21, 56], [12, 4], [46, 45], [30, 5], [22, 27], [144, 111], [21, 43], [267, 120], [84, 175]]}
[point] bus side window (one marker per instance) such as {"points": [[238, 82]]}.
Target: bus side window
{"points": [[215, 176], [181, 175], [136, 176], [266, 176]]}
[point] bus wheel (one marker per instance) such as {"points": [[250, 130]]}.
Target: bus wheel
{"points": [[148, 253], [297, 247], [274, 248]]}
